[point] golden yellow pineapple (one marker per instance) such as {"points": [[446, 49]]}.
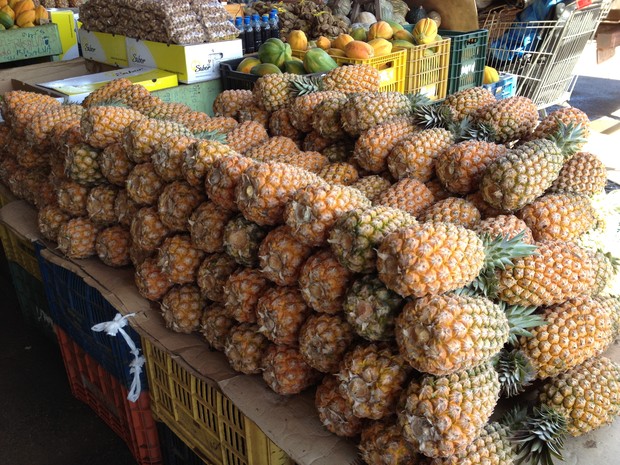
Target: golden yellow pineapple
{"points": [[179, 259], [452, 210], [176, 203], [485, 208], [49, 221], [372, 378], [366, 110], [341, 172], [340, 150], [382, 443], [72, 198], [230, 102], [273, 148], [136, 97], [408, 194], [171, 111], [334, 412], [215, 325], [286, 372], [371, 186], [151, 281], [30, 158], [323, 341], [461, 165], [313, 210], [142, 137], [182, 308], [245, 348], [309, 161], [281, 256], [280, 125], [222, 179], [551, 122], [219, 124], [39, 130], [467, 101], [169, 156], [20, 108], [246, 136], [124, 208], [274, 91], [112, 246], [206, 226], [583, 174], [81, 165], [505, 225], [604, 265], [115, 165], [147, 229], [443, 415], [438, 190], [352, 79], [77, 237], [242, 239], [304, 107], [144, 185], [100, 204], [105, 92], [280, 313], [198, 158], [511, 119], [315, 142], [213, 274], [242, 290], [326, 120], [254, 113], [104, 125]]}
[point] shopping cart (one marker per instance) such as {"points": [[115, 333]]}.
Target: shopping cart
{"points": [[542, 54]]}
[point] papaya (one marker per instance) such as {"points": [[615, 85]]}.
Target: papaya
{"points": [[297, 40], [394, 25], [360, 50], [424, 31], [381, 46], [403, 35], [23, 5], [316, 60], [3, 3], [247, 64], [336, 52], [294, 67], [9, 11], [400, 44], [380, 30], [340, 41], [323, 42], [359, 33], [41, 15], [6, 20], [29, 24], [274, 51], [265, 68], [12, 3], [25, 17]]}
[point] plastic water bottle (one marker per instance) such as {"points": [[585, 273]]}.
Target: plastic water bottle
{"points": [[258, 39], [239, 26], [265, 29], [248, 31], [274, 23]]}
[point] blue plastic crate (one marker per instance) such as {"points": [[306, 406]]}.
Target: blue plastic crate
{"points": [[505, 87], [76, 307]]}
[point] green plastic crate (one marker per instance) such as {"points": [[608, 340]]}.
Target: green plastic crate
{"points": [[468, 52]]}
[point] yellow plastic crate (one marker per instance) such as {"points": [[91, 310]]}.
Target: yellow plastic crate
{"points": [[428, 73], [203, 417], [21, 251], [392, 68]]}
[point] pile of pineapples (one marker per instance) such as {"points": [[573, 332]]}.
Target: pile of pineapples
{"points": [[417, 262]]}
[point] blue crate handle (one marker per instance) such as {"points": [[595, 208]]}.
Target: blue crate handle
{"points": [[112, 328]]}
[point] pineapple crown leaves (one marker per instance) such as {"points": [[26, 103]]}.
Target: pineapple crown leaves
{"points": [[477, 130], [514, 370], [212, 135], [540, 437], [520, 318], [514, 417], [433, 116], [305, 85], [418, 100], [568, 137]]}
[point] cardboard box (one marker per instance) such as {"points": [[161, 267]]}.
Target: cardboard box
{"points": [[78, 88], [105, 48], [31, 42], [67, 29], [27, 77], [193, 63], [198, 96]]}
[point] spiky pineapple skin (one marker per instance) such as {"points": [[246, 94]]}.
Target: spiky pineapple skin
{"points": [[286, 372], [324, 340], [511, 119], [215, 326], [178, 258], [176, 203], [104, 125], [365, 110], [452, 210], [182, 308], [465, 102], [77, 238], [304, 107], [352, 79], [246, 136], [274, 91], [583, 174], [147, 229], [334, 413], [49, 220], [151, 281], [245, 348], [144, 185], [281, 256], [213, 274], [242, 290], [222, 179], [206, 226], [505, 225], [408, 194], [280, 313]]}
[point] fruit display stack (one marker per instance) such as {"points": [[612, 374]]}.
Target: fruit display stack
{"points": [[15, 14], [172, 22], [423, 266]]}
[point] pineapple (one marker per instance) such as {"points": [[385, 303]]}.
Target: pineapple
{"points": [[371, 186], [439, 192], [315, 142], [136, 97], [115, 165], [50, 219], [274, 91], [138, 255], [443, 415], [286, 372], [382, 443], [100, 205], [605, 266], [323, 341], [280, 125], [304, 107], [82, 166], [452, 210], [124, 208], [507, 226], [147, 230], [575, 331], [326, 120], [444, 334], [340, 150], [199, 157], [352, 79], [280, 313], [559, 216], [112, 246], [415, 157], [366, 110], [550, 123], [583, 174], [342, 173], [460, 166], [265, 188], [557, 272], [334, 413], [245, 348], [169, 156], [171, 111], [44, 192], [371, 308], [29, 158], [466, 102], [176, 203], [222, 179], [77, 237], [486, 209], [21, 111], [273, 148], [182, 308], [215, 326], [511, 119], [372, 378], [142, 137], [179, 259], [373, 146], [105, 92], [408, 194], [242, 290], [313, 210], [241, 240], [230, 102], [104, 125], [356, 235], [72, 198], [213, 274], [206, 227], [255, 114], [281, 256], [151, 281], [144, 185], [309, 161], [219, 124], [39, 130], [323, 282], [612, 305], [246, 136]]}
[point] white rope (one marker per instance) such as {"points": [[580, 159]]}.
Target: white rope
{"points": [[112, 328]]}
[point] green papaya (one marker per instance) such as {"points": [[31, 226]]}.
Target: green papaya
{"points": [[294, 67], [402, 44], [275, 51], [359, 33], [316, 60], [247, 64], [265, 68], [6, 20], [394, 25]]}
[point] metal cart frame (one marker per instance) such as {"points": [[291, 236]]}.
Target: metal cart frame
{"points": [[542, 54]]}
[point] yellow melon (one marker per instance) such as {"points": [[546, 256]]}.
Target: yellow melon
{"points": [[380, 30]]}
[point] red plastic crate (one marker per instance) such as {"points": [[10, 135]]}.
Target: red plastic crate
{"points": [[93, 385]]}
